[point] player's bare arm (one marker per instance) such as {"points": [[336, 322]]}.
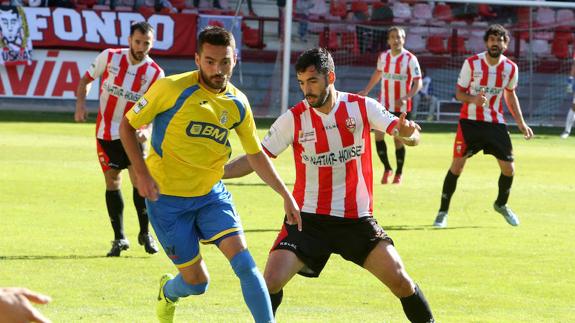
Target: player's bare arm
{"points": [[237, 167], [146, 185], [417, 84], [479, 99], [262, 165], [407, 131], [513, 105], [81, 113], [375, 77]]}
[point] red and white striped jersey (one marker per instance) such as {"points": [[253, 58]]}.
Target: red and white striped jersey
{"points": [[476, 75], [398, 73], [121, 86], [332, 153]]}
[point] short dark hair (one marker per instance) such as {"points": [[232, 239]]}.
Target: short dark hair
{"points": [[318, 57], [142, 26], [498, 31], [215, 35]]}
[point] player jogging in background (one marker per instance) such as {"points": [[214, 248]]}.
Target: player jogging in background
{"points": [[571, 114], [329, 132], [126, 74], [400, 75], [484, 81], [193, 114]]}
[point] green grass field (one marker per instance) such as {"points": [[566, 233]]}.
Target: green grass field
{"points": [[54, 233]]}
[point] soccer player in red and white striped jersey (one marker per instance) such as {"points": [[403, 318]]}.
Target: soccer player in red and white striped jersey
{"points": [[484, 81], [571, 113], [400, 75], [126, 74], [329, 132]]}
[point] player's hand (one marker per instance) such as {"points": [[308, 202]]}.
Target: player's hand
{"points": [[142, 134], [147, 187], [363, 92], [406, 127], [400, 102], [480, 99], [15, 305], [81, 113], [292, 212], [526, 131]]}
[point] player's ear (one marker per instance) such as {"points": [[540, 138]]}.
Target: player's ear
{"points": [[331, 77], [197, 60]]}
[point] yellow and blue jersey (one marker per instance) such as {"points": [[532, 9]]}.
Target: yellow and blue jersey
{"points": [[191, 127]]}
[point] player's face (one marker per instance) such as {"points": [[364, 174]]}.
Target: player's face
{"points": [[315, 86], [496, 45], [216, 64], [140, 45], [395, 40]]}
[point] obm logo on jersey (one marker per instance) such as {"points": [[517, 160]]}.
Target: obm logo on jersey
{"points": [[207, 130]]}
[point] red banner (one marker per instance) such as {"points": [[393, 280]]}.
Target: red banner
{"points": [[89, 29]]}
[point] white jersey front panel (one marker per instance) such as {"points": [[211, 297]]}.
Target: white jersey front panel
{"points": [[122, 85], [398, 73], [477, 75], [332, 153]]}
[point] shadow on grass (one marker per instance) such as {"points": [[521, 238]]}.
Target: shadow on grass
{"points": [[40, 257], [262, 230]]}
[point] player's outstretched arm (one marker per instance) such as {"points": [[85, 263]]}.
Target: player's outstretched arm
{"points": [[146, 185], [513, 105], [81, 113], [407, 131], [262, 165], [15, 305], [237, 167]]}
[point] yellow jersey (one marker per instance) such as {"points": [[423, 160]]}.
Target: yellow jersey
{"points": [[191, 127]]}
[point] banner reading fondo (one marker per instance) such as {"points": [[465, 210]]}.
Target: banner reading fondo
{"points": [[89, 29]]}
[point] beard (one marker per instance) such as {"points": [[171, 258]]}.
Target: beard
{"points": [[138, 56], [495, 52], [218, 82], [321, 99]]}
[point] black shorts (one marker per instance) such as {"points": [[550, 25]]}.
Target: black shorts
{"points": [[323, 235], [474, 136], [111, 154]]}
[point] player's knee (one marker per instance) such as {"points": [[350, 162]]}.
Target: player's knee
{"points": [[243, 264], [401, 285], [272, 282]]}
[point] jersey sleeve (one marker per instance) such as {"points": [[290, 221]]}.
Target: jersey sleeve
{"points": [[414, 67], [280, 135], [380, 62], [152, 103], [464, 79], [379, 118], [247, 131], [513, 79], [98, 65]]}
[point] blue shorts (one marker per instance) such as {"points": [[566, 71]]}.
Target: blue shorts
{"points": [[181, 223]]}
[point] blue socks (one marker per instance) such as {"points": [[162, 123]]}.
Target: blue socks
{"points": [[177, 287], [253, 287]]}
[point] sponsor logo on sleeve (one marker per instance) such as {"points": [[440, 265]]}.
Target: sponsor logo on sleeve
{"points": [[140, 105]]}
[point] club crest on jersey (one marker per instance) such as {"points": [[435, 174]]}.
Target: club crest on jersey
{"points": [[140, 105], [350, 124], [224, 117], [306, 136], [144, 80]]}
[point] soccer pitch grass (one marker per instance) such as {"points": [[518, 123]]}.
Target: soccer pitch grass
{"points": [[54, 234]]}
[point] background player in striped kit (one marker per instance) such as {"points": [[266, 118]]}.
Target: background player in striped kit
{"points": [[485, 79], [400, 75], [330, 135], [126, 74]]}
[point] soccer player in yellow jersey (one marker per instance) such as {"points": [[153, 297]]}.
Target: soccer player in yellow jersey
{"points": [[193, 114]]}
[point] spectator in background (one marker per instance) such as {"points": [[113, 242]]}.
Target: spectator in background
{"points": [[302, 12], [424, 97], [571, 114], [15, 305], [251, 11], [215, 4]]}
